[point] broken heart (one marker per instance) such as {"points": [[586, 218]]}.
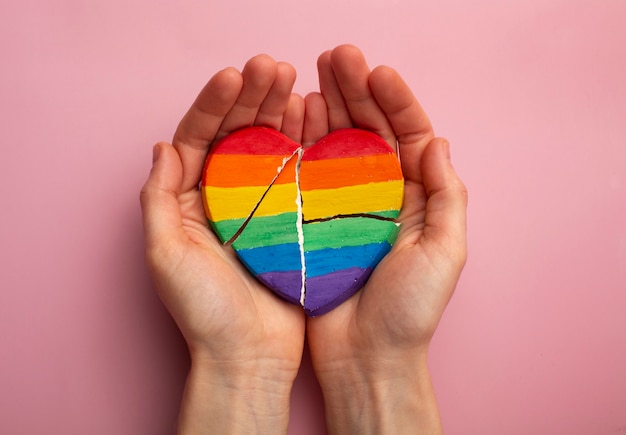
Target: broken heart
{"points": [[311, 224]]}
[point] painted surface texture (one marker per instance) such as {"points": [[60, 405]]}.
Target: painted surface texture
{"points": [[530, 93], [311, 224]]}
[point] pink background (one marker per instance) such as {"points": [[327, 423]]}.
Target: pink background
{"points": [[531, 94]]}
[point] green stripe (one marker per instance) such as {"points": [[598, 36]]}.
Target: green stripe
{"points": [[260, 231], [342, 232], [393, 234]]}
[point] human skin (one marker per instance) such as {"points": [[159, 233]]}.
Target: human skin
{"points": [[370, 353], [373, 372], [245, 344]]}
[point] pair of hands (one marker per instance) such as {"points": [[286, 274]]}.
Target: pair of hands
{"points": [[369, 354]]}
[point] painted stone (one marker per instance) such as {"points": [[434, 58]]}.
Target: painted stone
{"points": [[311, 224]]}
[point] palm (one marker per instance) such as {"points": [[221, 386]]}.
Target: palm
{"points": [[403, 300], [218, 306], [230, 307], [398, 307]]}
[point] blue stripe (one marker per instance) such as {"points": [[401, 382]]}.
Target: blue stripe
{"points": [[331, 260], [277, 258]]}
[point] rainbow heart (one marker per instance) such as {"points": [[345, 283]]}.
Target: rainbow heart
{"points": [[311, 224]]}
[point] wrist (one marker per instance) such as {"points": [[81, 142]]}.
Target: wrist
{"points": [[380, 396], [233, 397]]}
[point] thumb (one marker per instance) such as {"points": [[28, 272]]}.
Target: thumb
{"points": [[159, 196], [446, 207]]}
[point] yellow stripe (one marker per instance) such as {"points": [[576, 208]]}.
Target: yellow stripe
{"points": [[364, 198], [238, 202]]}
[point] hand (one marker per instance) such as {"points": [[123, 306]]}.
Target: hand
{"points": [[370, 353], [245, 343]]}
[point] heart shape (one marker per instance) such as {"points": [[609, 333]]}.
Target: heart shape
{"points": [[311, 224]]}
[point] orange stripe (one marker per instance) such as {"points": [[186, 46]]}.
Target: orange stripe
{"points": [[229, 170], [333, 173]]}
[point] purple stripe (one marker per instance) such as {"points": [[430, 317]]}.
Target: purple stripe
{"points": [[325, 292], [286, 284]]}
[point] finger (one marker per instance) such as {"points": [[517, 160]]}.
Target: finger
{"points": [[338, 115], [159, 197], [259, 75], [200, 125], [445, 222], [293, 118], [408, 120], [352, 75], [273, 107], [315, 119]]}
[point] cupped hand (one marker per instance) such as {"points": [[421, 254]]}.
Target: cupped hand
{"points": [[232, 324], [381, 334]]}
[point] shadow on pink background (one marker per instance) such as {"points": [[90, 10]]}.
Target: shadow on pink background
{"points": [[531, 94]]}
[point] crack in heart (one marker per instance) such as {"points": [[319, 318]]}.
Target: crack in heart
{"points": [[352, 215], [301, 221], [280, 169], [360, 246]]}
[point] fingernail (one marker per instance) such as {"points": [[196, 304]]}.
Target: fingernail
{"points": [[156, 151]]}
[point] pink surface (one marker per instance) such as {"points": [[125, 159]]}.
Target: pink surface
{"points": [[531, 94]]}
